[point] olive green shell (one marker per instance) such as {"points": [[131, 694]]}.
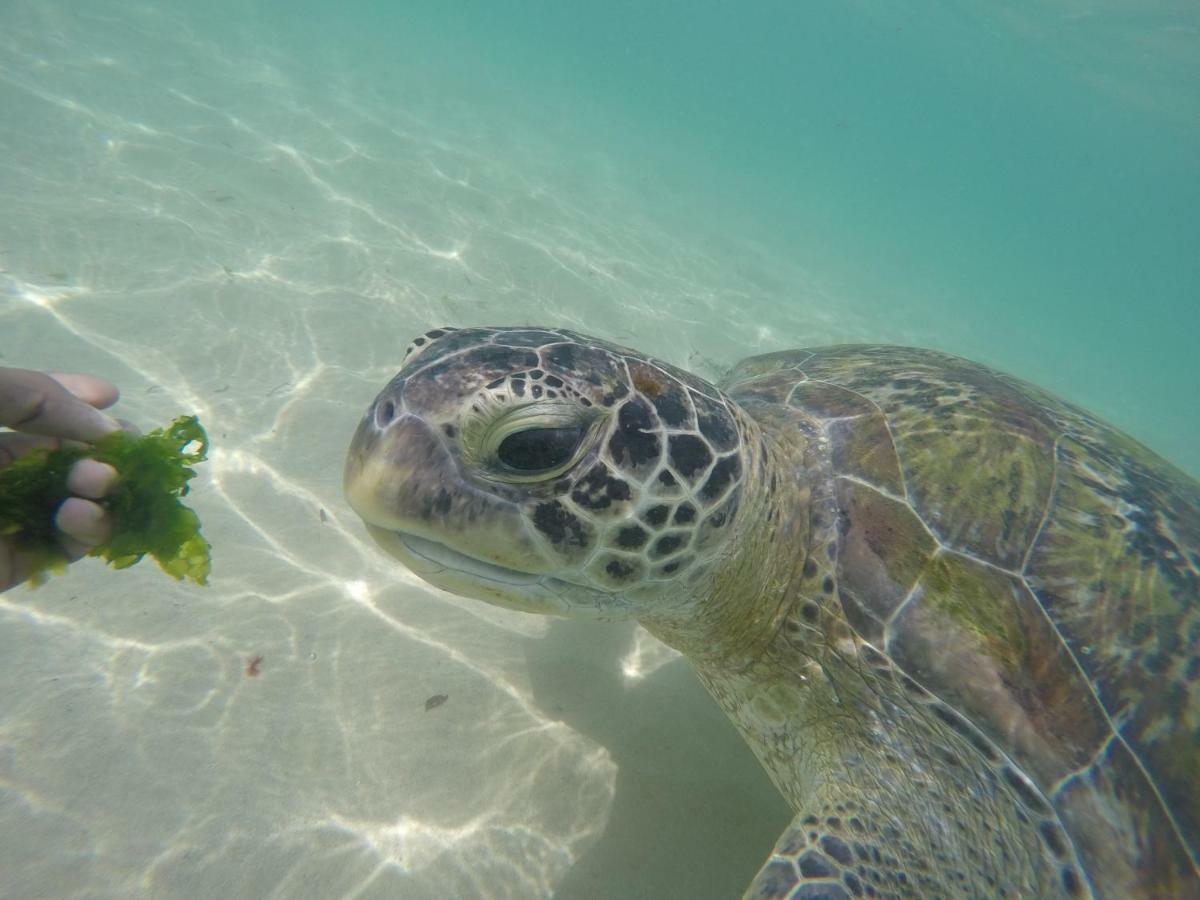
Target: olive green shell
{"points": [[1032, 566]]}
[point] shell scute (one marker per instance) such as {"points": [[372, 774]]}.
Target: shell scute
{"points": [[1102, 806], [828, 401], [882, 550], [968, 443], [980, 491], [1111, 570], [976, 637], [863, 448]]}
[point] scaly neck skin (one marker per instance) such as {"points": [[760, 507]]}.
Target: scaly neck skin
{"points": [[732, 623], [768, 681]]}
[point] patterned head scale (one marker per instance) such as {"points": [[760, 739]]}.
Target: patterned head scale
{"points": [[547, 471]]}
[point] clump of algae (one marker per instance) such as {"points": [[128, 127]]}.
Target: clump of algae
{"points": [[147, 515]]}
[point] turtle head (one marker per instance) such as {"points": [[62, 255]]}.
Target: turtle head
{"points": [[545, 471]]}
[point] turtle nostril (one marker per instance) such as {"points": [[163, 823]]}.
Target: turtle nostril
{"points": [[384, 413]]}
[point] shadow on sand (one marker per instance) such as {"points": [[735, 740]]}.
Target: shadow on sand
{"points": [[694, 814]]}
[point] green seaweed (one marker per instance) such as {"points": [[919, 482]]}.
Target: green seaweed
{"points": [[147, 516]]}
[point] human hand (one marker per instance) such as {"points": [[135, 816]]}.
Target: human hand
{"points": [[46, 411]]}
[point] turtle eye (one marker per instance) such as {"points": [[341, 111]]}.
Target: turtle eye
{"points": [[538, 449]]}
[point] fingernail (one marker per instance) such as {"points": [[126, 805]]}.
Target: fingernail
{"points": [[83, 520], [92, 479]]}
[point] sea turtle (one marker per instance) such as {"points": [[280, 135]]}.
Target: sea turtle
{"points": [[956, 619]]}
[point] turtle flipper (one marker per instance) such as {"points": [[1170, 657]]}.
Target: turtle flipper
{"points": [[840, 857], [819, 859]]}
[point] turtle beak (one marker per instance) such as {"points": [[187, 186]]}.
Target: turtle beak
{"points": [[401, 477]]}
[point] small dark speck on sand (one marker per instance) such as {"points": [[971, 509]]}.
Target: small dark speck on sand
{"points": [[324, 516], [254, 666], [435, 701]]}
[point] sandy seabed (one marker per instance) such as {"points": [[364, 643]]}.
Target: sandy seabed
{"points": [[200, 217]]}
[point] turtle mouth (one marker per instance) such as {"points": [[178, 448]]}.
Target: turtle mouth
{"points": [[441, 557], [468, 576]]}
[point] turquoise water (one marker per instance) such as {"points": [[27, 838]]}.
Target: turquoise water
{"points": [[246, 210], [1019, 186]]}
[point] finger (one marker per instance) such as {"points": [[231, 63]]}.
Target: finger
{"points": [[37, 404], [91, 479], [83, 525], [15, 565], [90, 389], [14, 445], [83, 521]]}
